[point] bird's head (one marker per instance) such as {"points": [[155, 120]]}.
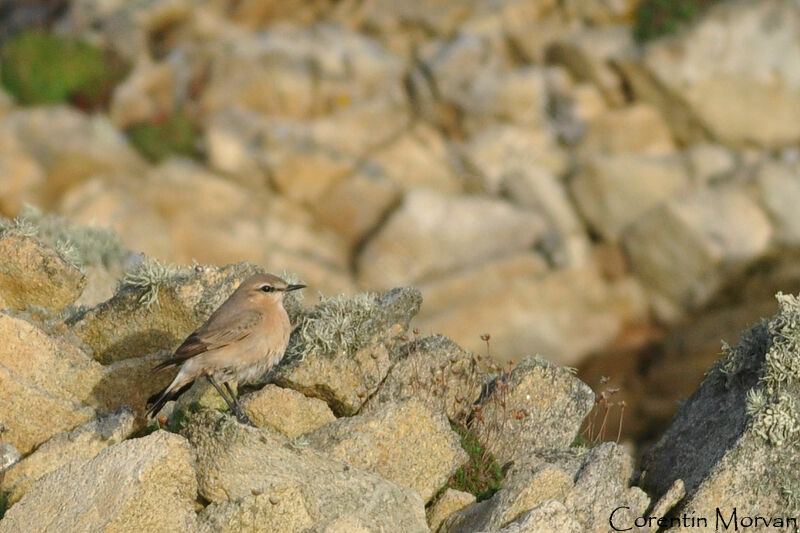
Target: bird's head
{"points": [[268, 288]]}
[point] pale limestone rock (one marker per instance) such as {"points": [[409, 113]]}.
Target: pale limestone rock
{"points": [[80, 444], [614, 191], [431, 234], [638, 128], [286, 411], [406, 442], [145, 484], [236, 463], [448, 503], [32, 274]]}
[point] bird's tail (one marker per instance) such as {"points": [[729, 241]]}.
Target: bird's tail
{"points": [[159, 399]]}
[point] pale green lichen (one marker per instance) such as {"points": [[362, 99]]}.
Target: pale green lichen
{"points": [[337, 323], [774, 404], [78, 245], [149, 276]]}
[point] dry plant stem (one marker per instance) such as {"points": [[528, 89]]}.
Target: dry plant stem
{"points": [[621, 415]]}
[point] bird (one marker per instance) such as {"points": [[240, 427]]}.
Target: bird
{"points": [[243, 339]]}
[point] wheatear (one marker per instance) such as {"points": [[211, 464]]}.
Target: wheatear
{"points": [[244, 338]]}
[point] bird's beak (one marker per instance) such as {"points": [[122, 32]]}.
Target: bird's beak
{"points": [[295, 287]]}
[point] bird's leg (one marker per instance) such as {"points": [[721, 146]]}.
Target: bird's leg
{"points": [[234, 407], [239, 410]]}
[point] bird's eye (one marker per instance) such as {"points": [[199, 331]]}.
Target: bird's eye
{"points": [[267, 288]]}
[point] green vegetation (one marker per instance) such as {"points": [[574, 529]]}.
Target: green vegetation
{"points": [[655, 18], [481, 475], [43, 68], [172, 135]]}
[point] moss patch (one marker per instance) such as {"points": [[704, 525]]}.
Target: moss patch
{"points": [[481, 475], [172, 135], [43, 68], [655, 18]]}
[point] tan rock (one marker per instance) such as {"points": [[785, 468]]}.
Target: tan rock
{"points": [[538, 405], [21, 183], [448, 503], [279, 510], [710, 162], [235, 463], [780, 191], [613, 191], [149, 91], [286, 411], [406, 442], [638, 128], [690, 247], [431, 234], [145, 484], [80, 444], [743, 93], [549, 516], [434, 370], [32, 274], [354, 206]]}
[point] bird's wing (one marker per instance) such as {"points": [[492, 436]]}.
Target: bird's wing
{"points": [[220, 330]]}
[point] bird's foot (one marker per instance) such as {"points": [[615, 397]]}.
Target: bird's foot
{"points": [[242, 417]]}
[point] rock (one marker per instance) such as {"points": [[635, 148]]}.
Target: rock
{"points": [[638, 128], [558, 488], [145, 484], [690, 247], [710, 162], [156, 309], [283, 509], [564, 314], [587, 53], [431, 234], [233, 461], [517, 97], [32, 274], [498, 152], [538, 405], [602, 484], [80, 444], [434, 370], [745, 92], [286, 411], [734, 441], [23, 180], [549, 516], [600, 12], [407, 442], [449, 502], [613, 191], [340, 352], [151, 90], [39, 404], [70, 146], [354, 206], [9, 456], [298, 72], [779, 189]]}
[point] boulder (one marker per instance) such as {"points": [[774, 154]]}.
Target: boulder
{"points": [[237, 464], [431, 234], [145, 484], [406, 442], [286, 411], [448, 503], [340, 351], [80, 444]]}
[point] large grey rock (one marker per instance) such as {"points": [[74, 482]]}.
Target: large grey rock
{"points": [[550, 516], [406, 442], [145, 484], [688, 248], [32, 274], [538, 405], [431, 234], [236, 463], [80, 444], [434, 370], [745, 92], [340, 352], [734, 442]]}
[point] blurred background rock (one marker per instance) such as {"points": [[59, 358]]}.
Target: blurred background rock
{"points": [[610, 183]]}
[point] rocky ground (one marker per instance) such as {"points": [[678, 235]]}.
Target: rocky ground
{"points": [[365, 426]]}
